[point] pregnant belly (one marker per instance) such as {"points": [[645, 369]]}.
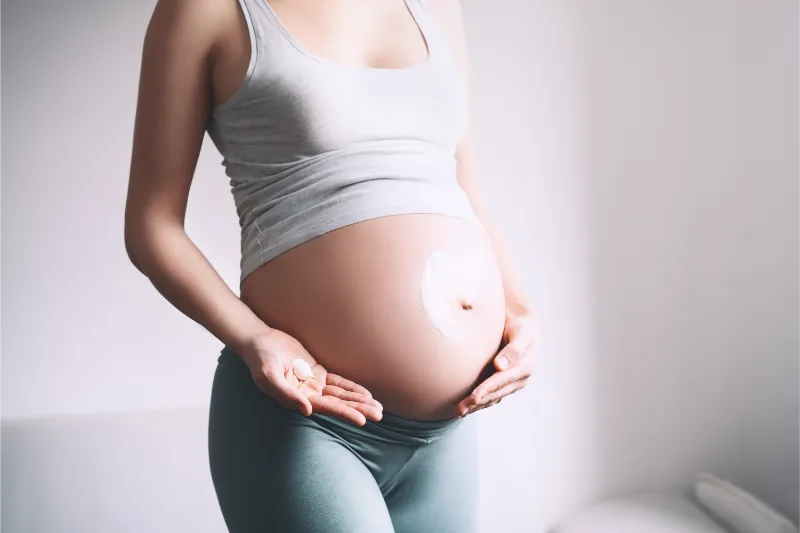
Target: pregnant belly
{"points": [[409, 306]]}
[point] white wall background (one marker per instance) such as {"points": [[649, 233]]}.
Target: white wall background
{"points": [[642, 157], [691, 115]]}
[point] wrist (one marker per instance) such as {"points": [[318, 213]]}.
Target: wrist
{"points": [[249, 342]]}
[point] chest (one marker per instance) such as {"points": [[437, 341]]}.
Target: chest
{"points": [[310, 91], [327, 110], [354, 33]]}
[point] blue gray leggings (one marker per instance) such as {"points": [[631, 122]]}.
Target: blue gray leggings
{"points": [[275, 470]]}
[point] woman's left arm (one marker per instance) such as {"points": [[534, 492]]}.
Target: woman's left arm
{"points": [[513, 363]]}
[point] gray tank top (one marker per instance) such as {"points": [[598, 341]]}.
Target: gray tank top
{"points": [[311, 145]]}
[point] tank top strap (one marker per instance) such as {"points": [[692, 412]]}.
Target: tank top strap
{"points": [[263, 23], [422, 4], [438, 46], [257, 26]]}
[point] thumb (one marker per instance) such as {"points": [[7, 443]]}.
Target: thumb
{"points": [[287, 395], [507, 357]]}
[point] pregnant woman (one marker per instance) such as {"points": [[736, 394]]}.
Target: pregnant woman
{"points": [[378, 305]]}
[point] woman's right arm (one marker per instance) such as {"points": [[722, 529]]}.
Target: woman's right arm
{"points": [[173, 107], [172, 110]]}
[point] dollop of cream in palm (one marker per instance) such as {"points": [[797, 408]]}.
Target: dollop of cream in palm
{"points": [[301, 369]]}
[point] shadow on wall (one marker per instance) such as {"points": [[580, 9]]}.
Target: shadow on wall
{"points": [[692, 154]]}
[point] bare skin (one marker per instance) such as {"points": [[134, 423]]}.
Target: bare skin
{"points": [[194, 58], [352, 298]]}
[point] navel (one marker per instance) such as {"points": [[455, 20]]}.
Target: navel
{"points": [[444, 292]]}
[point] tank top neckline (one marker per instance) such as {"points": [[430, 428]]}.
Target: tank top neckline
{"points": [[303, 51]]}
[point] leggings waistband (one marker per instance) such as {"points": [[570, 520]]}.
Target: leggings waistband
{"points": [[426, 429]]}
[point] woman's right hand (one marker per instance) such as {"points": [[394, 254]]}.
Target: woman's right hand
{"points": [[269, 357]]}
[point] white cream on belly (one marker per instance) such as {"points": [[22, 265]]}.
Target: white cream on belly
{"points": [[440, 279]]}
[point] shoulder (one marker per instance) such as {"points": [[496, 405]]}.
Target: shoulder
{"points": [[448, 15], [447, 11], [192, 26]]}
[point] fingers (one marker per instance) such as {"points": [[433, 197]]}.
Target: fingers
{"points": [[483, 406], [320, 373], [502, 392], [496, 382], [328, 400], [344, 383], [311, 386], [329, 405], [371, 412], [467, 407], [369, 407], [340, 397], [338, 392], [513, 364], [493, 385]]}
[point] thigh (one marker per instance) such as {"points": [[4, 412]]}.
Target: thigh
{"points": [[438, 490], [274, 470]]}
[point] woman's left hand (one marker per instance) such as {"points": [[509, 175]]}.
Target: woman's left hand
{"points": [[513, 364]]}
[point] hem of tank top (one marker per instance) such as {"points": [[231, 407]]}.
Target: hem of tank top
{"points": [[303, 51], [251, 64], [349, 219]]}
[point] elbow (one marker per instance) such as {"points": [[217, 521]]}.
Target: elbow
{"points": [[148, 238], [132, 246], [136, 239]]}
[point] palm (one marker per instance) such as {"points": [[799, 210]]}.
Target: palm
{"points": [[331, 394], [270, 360]]}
